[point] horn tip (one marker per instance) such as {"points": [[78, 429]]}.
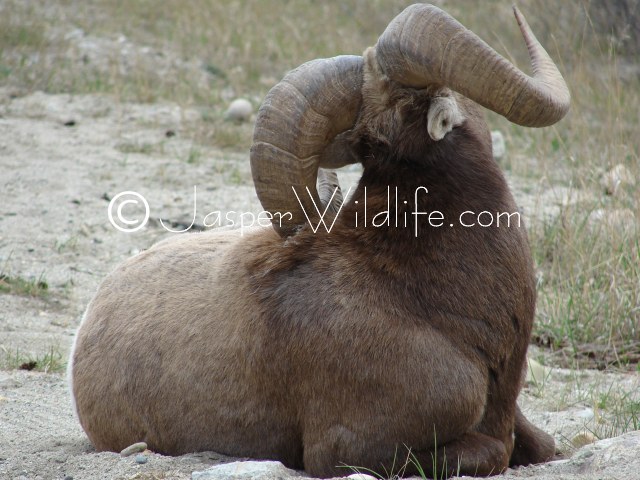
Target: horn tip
{"points": [[518, 14]]}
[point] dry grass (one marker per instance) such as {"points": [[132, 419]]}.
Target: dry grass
{"points": [[203, 53]]}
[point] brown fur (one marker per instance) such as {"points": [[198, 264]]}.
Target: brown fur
{"points": [[338, 348]]}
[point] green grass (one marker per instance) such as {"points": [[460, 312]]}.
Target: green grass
{"points": [[590, 292], [32, 287], [193, 155], [50, 361]]}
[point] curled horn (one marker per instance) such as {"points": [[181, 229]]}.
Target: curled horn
{"points": [[424, 46], [298, 120]]}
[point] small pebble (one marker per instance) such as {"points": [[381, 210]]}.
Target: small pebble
{"points": [[140, 458], [240, 110], [582, 439], [135, 448], [68, 477], [585, 414]]}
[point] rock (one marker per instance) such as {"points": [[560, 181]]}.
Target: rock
{"points": [[615, 457], [267, 470], [240, 110], [361, 476], [586, 414], [141, 459], [135, 448], [618, 176], [605, 459], [499, 145]]}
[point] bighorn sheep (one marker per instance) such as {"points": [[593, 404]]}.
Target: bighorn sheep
{"points": [[322, 349]]}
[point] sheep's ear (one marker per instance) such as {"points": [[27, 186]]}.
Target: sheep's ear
{"points": [[443, 116]]}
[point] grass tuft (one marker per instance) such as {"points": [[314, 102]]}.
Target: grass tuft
{"points": [[19, 286], [50, 361]]}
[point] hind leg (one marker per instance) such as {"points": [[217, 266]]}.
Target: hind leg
{"points": [[532, 445], [473, 454]]}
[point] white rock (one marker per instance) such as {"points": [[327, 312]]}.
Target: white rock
{"points": [[618, 176], [257, 470], [605, 459], [361, 476], [240, 110], [499, 145]]}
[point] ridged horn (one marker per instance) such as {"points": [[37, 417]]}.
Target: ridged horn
{"points": [[298, 119], [425, 46]]}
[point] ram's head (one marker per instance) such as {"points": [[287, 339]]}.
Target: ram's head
{"points": [[304, 122]]}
